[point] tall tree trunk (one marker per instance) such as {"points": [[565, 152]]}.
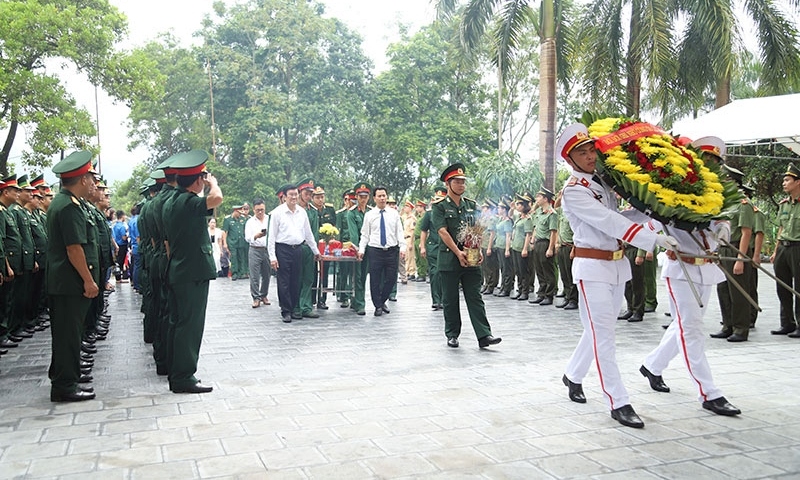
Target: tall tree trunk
{"points": [[4, 154], [634, 63], [723, 94], [547, 94]]}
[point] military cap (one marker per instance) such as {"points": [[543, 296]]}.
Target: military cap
{"points": [[319, 189], [792, 171], [503, 203], [39, 182], [37, 193], [362, 188], [100, 182], [736, 174], [546, 193], [572, 137], [237, 207], [48, 192], [145, 188], [409, 203], [74, 165], [420, 203], [524, 197], [22, 182], [9, 181], [158, 176], [713, 145], [189, 163], [166, 165], [455, 170], [281, 191], [439, 192], [391, 200], [306, 184]]}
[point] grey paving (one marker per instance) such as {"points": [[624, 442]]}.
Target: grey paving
{"points": [[355, 397]]}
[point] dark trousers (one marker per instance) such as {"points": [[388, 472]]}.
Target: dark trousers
{"points": [[634, 289], [545, 269], [382, 273], [787, 268], [507, 271], [521, 271], [67, 316], [734, 307], [432, 253], [565, 272], [188, 304], [469, 279], [21, 299], [290, 263], [490, 269], [121, 254]]}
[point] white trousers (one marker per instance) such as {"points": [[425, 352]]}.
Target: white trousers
{"points": [[600, 304], [686, 337]]}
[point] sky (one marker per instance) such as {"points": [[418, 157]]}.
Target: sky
{"points": [[375, 20]]}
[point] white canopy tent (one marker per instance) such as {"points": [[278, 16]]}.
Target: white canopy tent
{"points": [[751, 120]]}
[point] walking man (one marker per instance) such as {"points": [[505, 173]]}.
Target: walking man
{"points": [[255, 232]]}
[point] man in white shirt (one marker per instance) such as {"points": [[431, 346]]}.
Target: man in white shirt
{"points": [[255, 232], [289, 230], [382, 240]]}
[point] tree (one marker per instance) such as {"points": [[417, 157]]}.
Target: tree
{"points": [[39, 33]]}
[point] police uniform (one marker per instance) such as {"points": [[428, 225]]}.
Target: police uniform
{"points": [[521, 232], [432, 252], [491, 265], [787, 259], [69, 225], [451, 214], [189, 269], [759, 231], [685, 334], [544, 240], [355, 220], [564, 259], [502, 247], [600, 271]]}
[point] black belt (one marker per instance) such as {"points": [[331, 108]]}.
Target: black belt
{"points": [[290, 245], [385, 248], [789, 243], [542, 240], [259, 246]]}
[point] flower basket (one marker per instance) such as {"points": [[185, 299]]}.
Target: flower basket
{"points": [[648, 168], [469, 236]]}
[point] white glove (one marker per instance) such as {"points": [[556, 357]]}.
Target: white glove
{"points": [[667, 242], [723, 233]]}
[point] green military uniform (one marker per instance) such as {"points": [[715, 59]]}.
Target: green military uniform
{"points": [[452, 217], [650, 281], [759, 229], [147, 252], [24, 277], [327, 214], [421, 262], [308, 270], [491, 263], [564, 255], [787, 258], [432, 255], [503, 249], [68, 224], [355, 220], [38, 229], [344, 273], [734, 307], [546, 225], [189, 269], [233, 226], [12, 247]]}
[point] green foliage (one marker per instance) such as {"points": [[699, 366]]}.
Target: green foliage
{"points": [[82, 34], [505, 174]]}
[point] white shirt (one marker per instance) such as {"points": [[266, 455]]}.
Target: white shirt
{"points": [[253, 227], [371, 229], [291, 228]]}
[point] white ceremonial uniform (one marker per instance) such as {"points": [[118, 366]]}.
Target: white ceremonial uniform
{"points": [[685, 335], [591, 208]]}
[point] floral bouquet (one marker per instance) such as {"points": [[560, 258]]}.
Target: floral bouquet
{"points": [[659, 176], [328, 242], [328, 231], [470, 235]]}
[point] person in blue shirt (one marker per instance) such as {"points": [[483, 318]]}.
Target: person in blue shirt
{"points": [[120, 233], [133, 231]]}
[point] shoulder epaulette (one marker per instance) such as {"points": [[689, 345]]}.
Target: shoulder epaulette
{"points": [[755, 209], [343, 209], [572, 181], [75, 201], [353, 207], [469, 199], [329, 205], [439, 199], [784, 200], [745, 201]]}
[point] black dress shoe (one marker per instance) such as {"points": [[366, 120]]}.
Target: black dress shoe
{"points": [[546, 301], [636, 318], [514, 297], [196, 388], [488, 340], [523, 297], [286, 317], [561, 304], [162, 370], [488, 292], [86, 370], [3, 351], [626, 416], [392, 299], [311, 315], [361, 312], [571, 306], [736, 338], [87, 388], [378, 312], [85, 379], [23, 334], [322, 306], [575, 390], [88, 348], [537, 300], [721, 406], [15, 338], [783, 331], [503, 294], [296, 316], [795, 334], [385, 308], [438, 306], [625, 315], [452, 342], [721, 334], [656, 381], [78, 396], [345, 304], [7, 344]]}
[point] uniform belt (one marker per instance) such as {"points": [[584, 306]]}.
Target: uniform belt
{"points": [[686, 259], [789, 243], [290, 245], [257, 246], [581, 252], [565, 244], [387, 247], [542, 240]]}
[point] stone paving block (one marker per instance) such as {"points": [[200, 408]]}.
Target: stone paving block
{"points": [[340, 452], [720, 444], [406, 426], [101, 416], [71, 431], [230, 465], [223, 430], [292, 457], [107, 474], [786, 459], [270, 424], [307, 436], [362, 415], [165, 436], [46, 421], [129, 458], [348, 470], [99, 443], [741, 466], [510, 451], [683, 470], [462, 458], [153, 411], [252, 443], [184, 420], [194, 450], [570, 465], [403, 444], [464, 437], [165, 471], [31, 451], [561, 444], [400, 465], [129, 426], [621, 459], [359, 431], [21, 437], [320, 420], [54, 466], [637, 474]]}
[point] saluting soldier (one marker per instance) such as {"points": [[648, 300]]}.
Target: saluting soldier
{"points": [[73, 274], [786, 256], [449, 216], [149, 190], [355, 220], [190, 266], [12, 246], [325, 214], [429, 250], [308, 271], [234, 242]]}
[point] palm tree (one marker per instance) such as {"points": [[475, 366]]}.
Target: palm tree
{"points": [[509, 18]]}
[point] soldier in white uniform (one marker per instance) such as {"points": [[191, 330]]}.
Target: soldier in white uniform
{"points": [[685, 335], [599, 270]]}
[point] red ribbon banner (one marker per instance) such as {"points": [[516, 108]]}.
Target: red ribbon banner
{"points": [[625, 135]]}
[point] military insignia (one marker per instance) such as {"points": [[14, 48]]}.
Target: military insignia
{"points": [[572, 181], [75, 201], [584, 182]]}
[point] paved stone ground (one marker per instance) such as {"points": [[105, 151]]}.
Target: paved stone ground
{"points": [[363, 397]]}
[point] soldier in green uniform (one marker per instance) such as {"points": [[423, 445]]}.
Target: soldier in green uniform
{"points": [[39, 211], [421, 263], [544, 249], [12, 246], [190, 266], [308, 271], [564, 258], [95, 204], [502, 247], [38, 230], [234, 243], [449, 216], [759, 230], [734, 307], [355, 220], [73, 273], [491, 264], [344, 273], [429, 250], [149, 190], [24, 277], [326, 213], [786, 256]]}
